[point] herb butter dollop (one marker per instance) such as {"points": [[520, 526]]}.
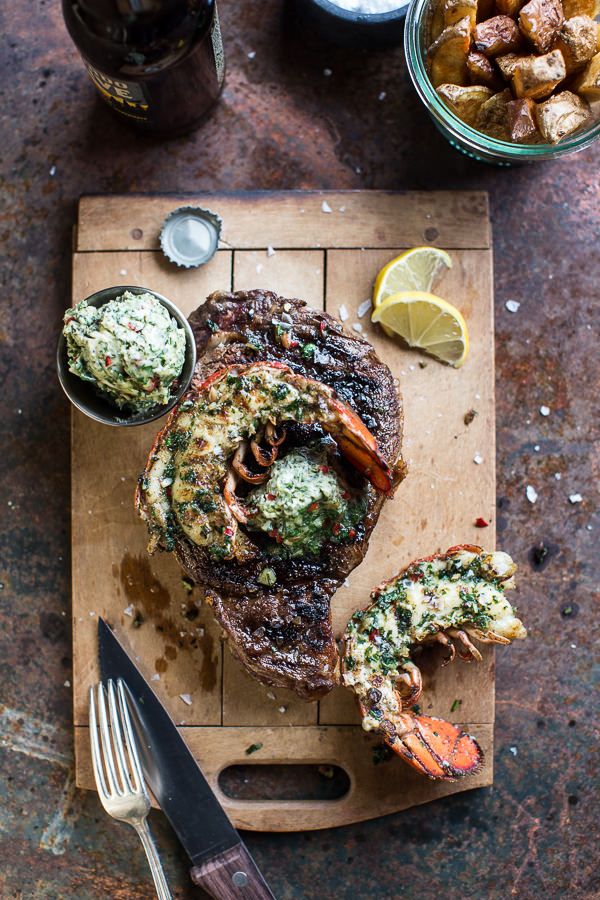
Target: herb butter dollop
{"points": [[131, 348], [305, 503]]}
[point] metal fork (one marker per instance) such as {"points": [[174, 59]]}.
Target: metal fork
{"points": [[124, 797]]}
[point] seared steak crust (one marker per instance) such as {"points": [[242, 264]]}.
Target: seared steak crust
{"points": [[283, 635]]}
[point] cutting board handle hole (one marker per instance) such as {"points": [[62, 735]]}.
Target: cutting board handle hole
{"points": [[265, 781]]}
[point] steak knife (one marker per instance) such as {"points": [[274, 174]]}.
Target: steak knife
{"points": [[221, 864]]}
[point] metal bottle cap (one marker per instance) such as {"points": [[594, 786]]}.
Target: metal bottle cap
{"points": [[190, 236]]}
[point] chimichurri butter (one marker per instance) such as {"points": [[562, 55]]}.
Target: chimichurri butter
{"points": [[304, 504], [131, 349]]}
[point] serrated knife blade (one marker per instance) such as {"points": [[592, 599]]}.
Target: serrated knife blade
{"points": [[221, 864]]}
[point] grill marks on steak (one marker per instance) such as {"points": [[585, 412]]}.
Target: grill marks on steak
{"points": [[283, 635]]}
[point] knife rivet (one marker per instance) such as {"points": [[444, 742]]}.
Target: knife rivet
{"points": [[240, 879]]}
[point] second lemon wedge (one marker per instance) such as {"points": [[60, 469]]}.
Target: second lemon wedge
{"points": [[414, 270], [427, 322]]}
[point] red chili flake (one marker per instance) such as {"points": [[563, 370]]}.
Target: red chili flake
{"points": [[108, 361], [276, 536], [374, 632], [352, 533], [294, 344], [271, 496], [324, 469], [69, 319], [228, 531], [481, 523], [322, 327], [416, 576], [131, 327], [346, 495], [337, 528], [313, 507]]}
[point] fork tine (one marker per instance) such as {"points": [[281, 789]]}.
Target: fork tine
{"points": [[107, 751], [96, 754], [117, 737], [136, 767]]}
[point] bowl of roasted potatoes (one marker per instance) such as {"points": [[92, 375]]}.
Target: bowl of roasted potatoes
{"points": [[508, 81]]}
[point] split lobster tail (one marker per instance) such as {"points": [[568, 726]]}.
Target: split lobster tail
{"points": [[436, 748]]}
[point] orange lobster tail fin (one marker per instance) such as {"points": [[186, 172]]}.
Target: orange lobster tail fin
{"points": [[438, 749]]}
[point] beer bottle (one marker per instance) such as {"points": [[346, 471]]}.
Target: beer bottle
{"points": [[159, 64]]}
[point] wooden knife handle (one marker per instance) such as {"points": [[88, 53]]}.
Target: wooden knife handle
{"points": [[232, 876]]}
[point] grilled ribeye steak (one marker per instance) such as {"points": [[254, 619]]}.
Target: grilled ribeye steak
{"points": [[284, 407]]}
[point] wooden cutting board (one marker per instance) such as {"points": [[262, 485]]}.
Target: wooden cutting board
{"points": [[329, 247]]}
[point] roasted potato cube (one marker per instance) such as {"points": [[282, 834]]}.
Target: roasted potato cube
{"points": [[437, 20], [537, 76], [577, 40], [589, 8], [561, 115], [508, 63], [464, 102], [540, 21], [481, 70], [521, 121], [588, 83], [448, 54], [455, 10], [509, 7], [497, 35], [492, 117]]}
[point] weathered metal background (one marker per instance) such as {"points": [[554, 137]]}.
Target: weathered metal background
{"points": [[284, 123]]}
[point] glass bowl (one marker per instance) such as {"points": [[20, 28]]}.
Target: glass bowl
{"points": [[461, 136], [84, 395]]}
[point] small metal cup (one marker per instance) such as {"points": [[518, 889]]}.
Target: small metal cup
{"points": [[90, 401]]}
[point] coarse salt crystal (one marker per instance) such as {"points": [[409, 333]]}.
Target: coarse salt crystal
{"points": [[575, 498], [67, 684], [342, 209], [251, 54], [325, 207], [282, 709], [513, 750], [478, 459], [186, 699], [382, 95], [122, 271], [155, 677], [544, 410], [356, 326], [270, 695], [327, 73], [344, 314], [537, 448], [512, 305], [558, 476], [259, 268], [270, 251], [364, 307], [129, 610], [52, 171], [531, 493]]}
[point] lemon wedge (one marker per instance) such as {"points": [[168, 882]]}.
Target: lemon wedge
{"points": [[414, 270], [427, 322]]}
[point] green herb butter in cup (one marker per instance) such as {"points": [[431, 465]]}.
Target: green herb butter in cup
{"points": [[131, 349]]}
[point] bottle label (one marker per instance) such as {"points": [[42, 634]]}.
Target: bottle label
{"points": [[127, 97], [217, 43]]}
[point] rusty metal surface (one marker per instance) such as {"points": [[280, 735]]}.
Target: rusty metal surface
{"points": [[283, 123]]}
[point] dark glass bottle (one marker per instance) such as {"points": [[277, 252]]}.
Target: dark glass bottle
{"points": [[159, 64]]}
